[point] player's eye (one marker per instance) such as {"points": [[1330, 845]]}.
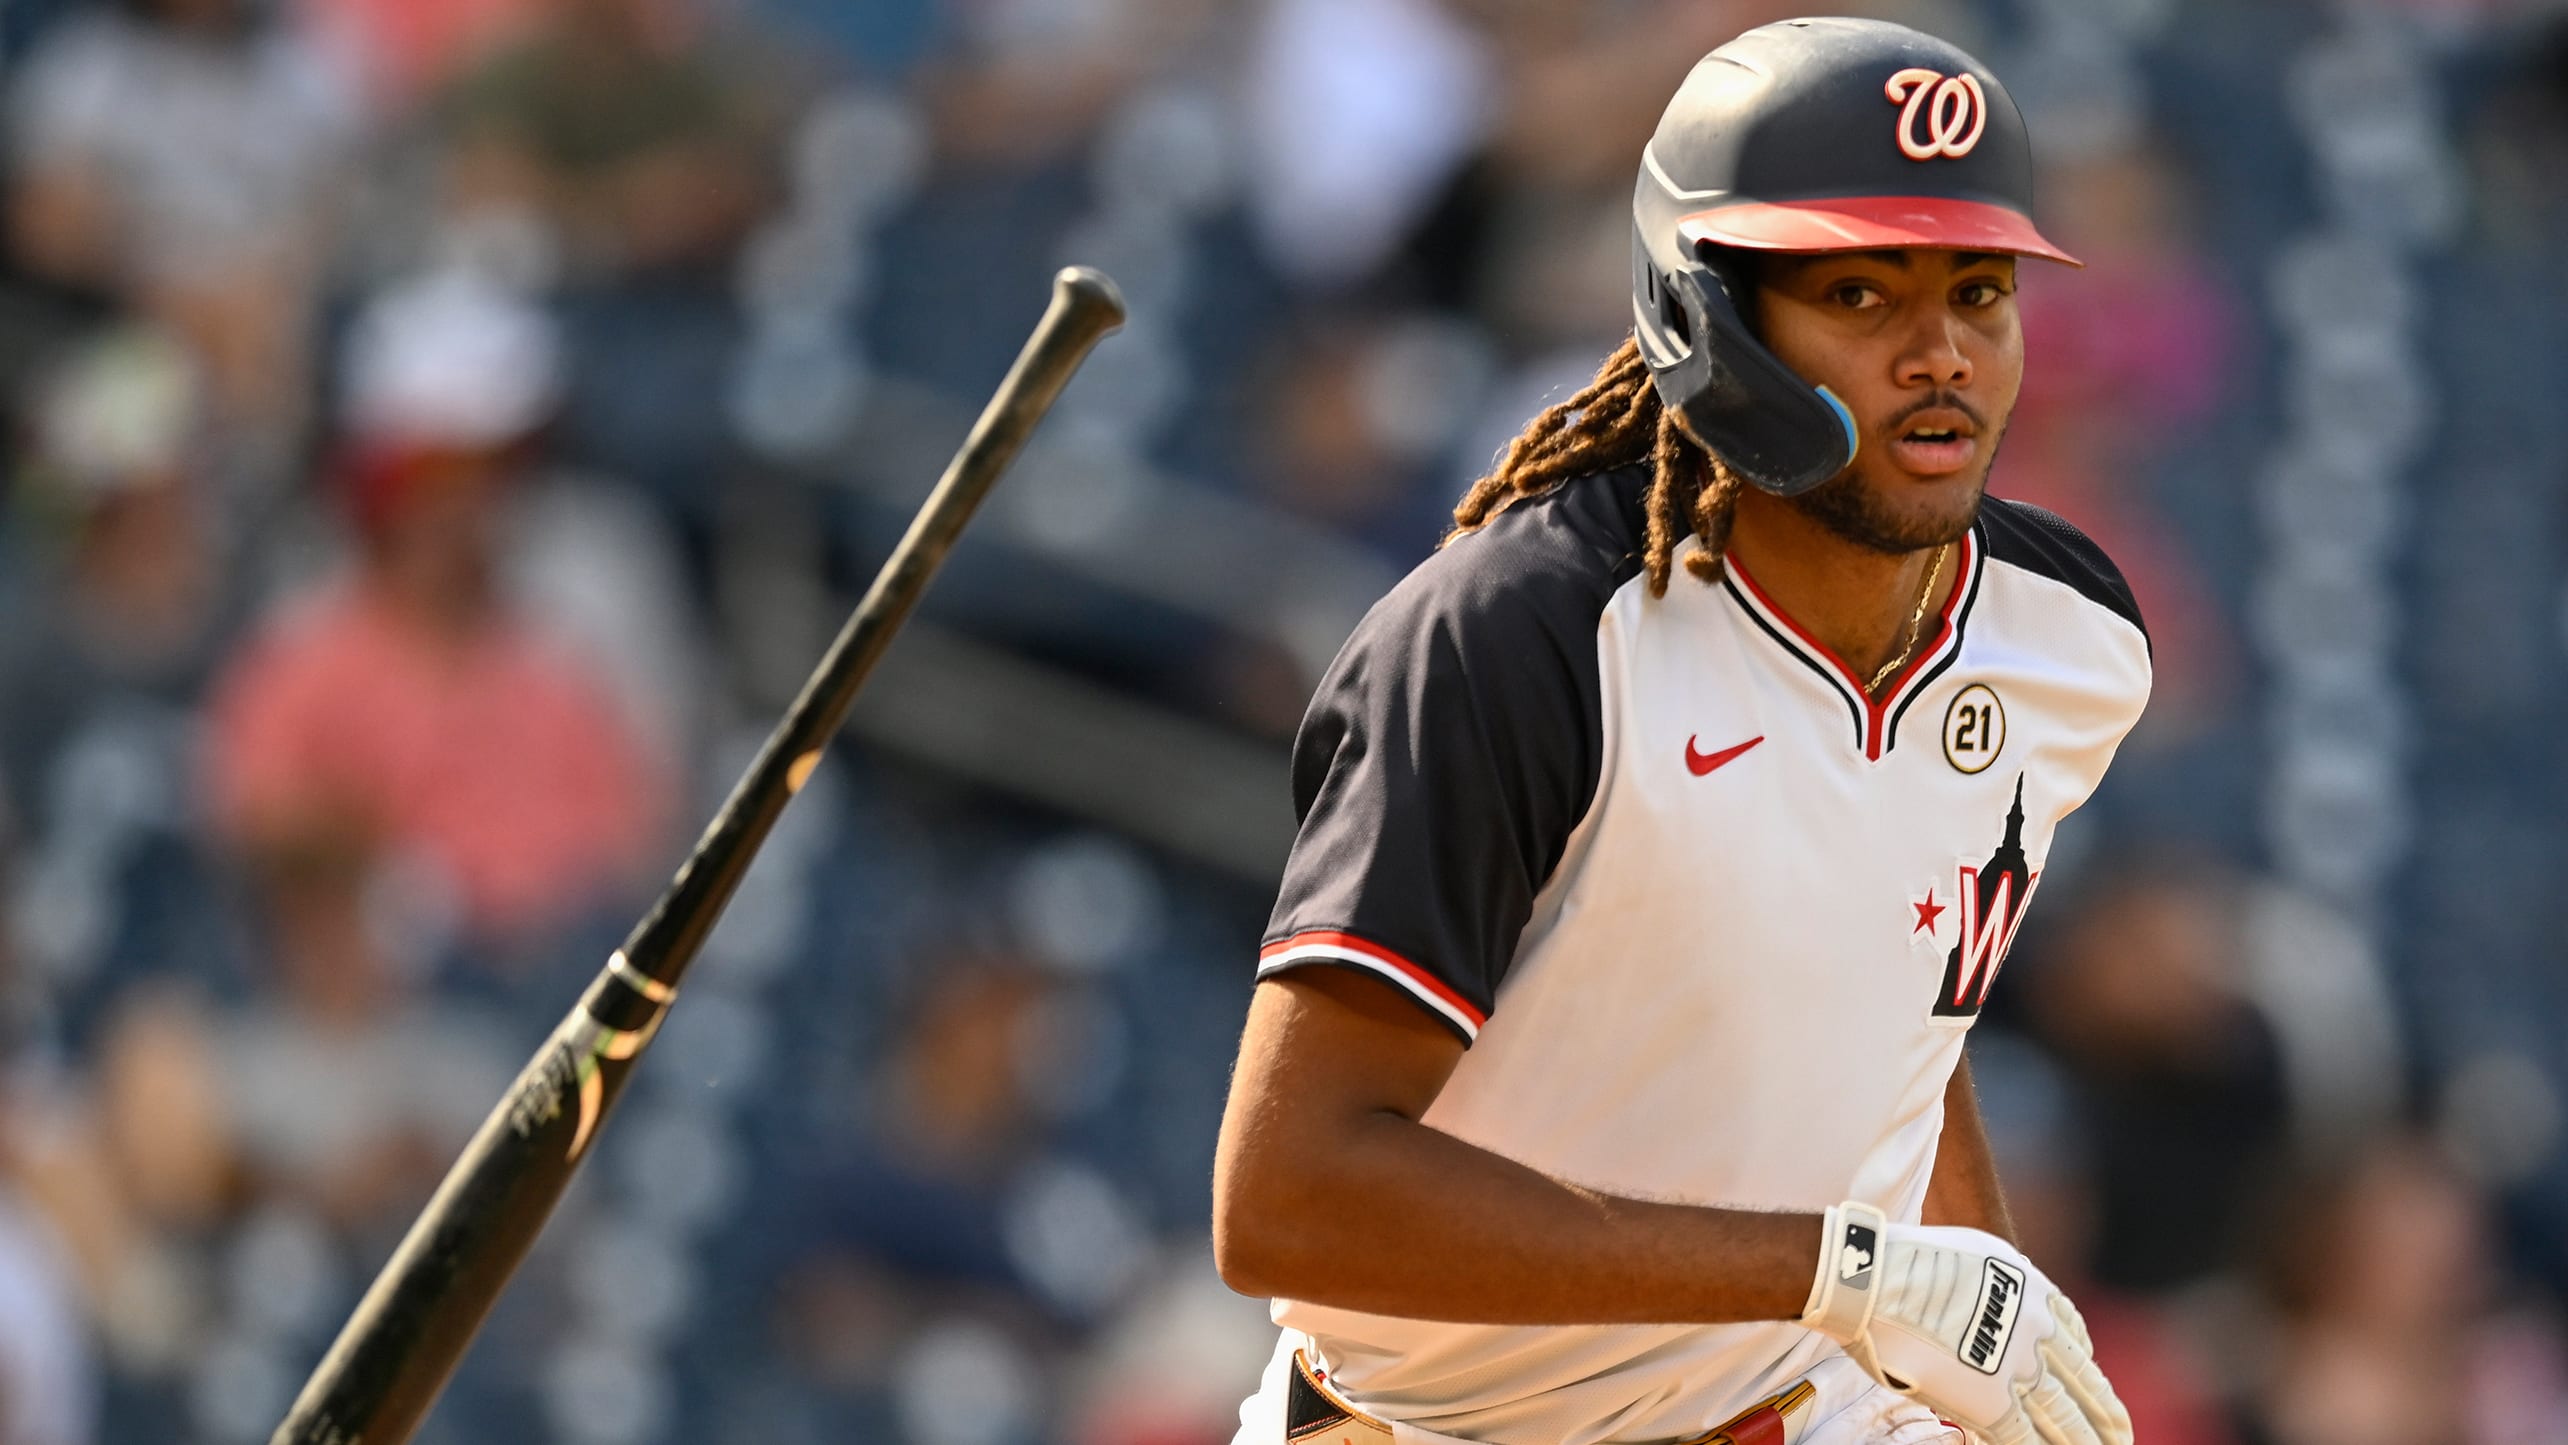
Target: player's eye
{"points": [[1980, 293], [1856, 295]]}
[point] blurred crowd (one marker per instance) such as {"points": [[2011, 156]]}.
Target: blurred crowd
{"points": [[441, 433]]}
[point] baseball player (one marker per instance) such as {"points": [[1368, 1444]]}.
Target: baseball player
{"points": [[1605, 1079]]}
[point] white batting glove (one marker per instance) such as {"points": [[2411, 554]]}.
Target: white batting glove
{"points": [[1960, 1321]]}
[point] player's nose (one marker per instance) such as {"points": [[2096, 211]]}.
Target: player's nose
{"points": [[1935, 357]]}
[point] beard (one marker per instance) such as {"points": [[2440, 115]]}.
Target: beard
{"points": [[1853, 511]]}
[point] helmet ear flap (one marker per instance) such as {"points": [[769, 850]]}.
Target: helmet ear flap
{"points": [[1735, 398]]}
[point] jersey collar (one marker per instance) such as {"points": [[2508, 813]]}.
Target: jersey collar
{"points": [[1876, 723]]}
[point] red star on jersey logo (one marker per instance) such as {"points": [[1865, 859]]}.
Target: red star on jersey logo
{"points": [[1927, 913]]}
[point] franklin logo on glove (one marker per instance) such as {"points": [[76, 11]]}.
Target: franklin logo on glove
{"points": [[2001, 1290]]}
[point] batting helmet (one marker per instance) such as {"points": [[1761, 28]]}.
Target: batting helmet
{"points": [[1808, 135]]}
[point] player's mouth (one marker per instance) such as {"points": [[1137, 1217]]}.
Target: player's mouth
{"points": [[1936, 442]]}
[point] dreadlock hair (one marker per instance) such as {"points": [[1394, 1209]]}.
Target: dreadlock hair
{"points": [[1617, 420]]}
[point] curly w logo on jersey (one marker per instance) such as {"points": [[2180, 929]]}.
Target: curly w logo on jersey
{"points": [[1993, 899]]}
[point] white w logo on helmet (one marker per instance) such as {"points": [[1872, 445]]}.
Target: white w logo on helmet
{"points": [[1954, 109]]}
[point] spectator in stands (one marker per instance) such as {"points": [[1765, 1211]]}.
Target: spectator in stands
{"points": [[2390, 1326], [1019, 87], [903, 1221], [1356, 116], [406, 51], [1349, 412], [49, 1377], [955, 1200], [310, 1117], [49, 1382], [639, 136], [953, 1126], [184, 156], [339, 1088], [637, 140], [2176, 1072], [116, 534], [121, 600], [407, 713], [127, 1161], [1529, 233]]}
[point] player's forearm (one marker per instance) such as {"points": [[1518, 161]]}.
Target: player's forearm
{"points": [[1401, 1219], [1964, 1188]]}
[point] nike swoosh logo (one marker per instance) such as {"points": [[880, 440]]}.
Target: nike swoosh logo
{"points": [[1702, 763]]}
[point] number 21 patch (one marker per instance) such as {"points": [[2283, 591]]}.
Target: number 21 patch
{"points": [[1974, 729]]}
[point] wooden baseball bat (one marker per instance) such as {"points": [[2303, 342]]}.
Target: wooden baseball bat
{"points": [[397, 1351]]}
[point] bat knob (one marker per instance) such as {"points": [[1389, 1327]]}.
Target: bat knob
{"points": [[1090, 294]]}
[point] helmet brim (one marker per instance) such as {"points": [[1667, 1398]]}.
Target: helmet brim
{"points": [[1870, 223]]}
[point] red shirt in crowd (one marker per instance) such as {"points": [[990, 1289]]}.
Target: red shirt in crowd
{"points": [[495, 756]]}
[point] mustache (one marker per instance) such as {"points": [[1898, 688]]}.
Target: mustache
{"points": [[1950, 400]]}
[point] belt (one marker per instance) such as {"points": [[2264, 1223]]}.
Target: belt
{"points": [[1314, 1414]]}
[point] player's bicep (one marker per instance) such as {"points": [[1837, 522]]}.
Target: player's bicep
{"points": [[1338, 1042]]}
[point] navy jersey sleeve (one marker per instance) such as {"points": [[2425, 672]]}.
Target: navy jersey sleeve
{"points": [[1449, 753], [2048, 545]]}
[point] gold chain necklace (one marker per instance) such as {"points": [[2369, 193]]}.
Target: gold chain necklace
{"points": [[1916, 621]]}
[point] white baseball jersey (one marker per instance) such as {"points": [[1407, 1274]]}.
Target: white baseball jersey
{"points": [[1713, 922]]}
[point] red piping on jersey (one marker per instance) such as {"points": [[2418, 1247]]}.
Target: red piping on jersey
{"points": [[1327, 938], [1874, 712]]}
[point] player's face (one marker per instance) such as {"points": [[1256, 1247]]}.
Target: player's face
{"points": [[1926, 349]]}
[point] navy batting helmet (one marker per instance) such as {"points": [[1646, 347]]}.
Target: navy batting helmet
{"points": [[1808, 135]]}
